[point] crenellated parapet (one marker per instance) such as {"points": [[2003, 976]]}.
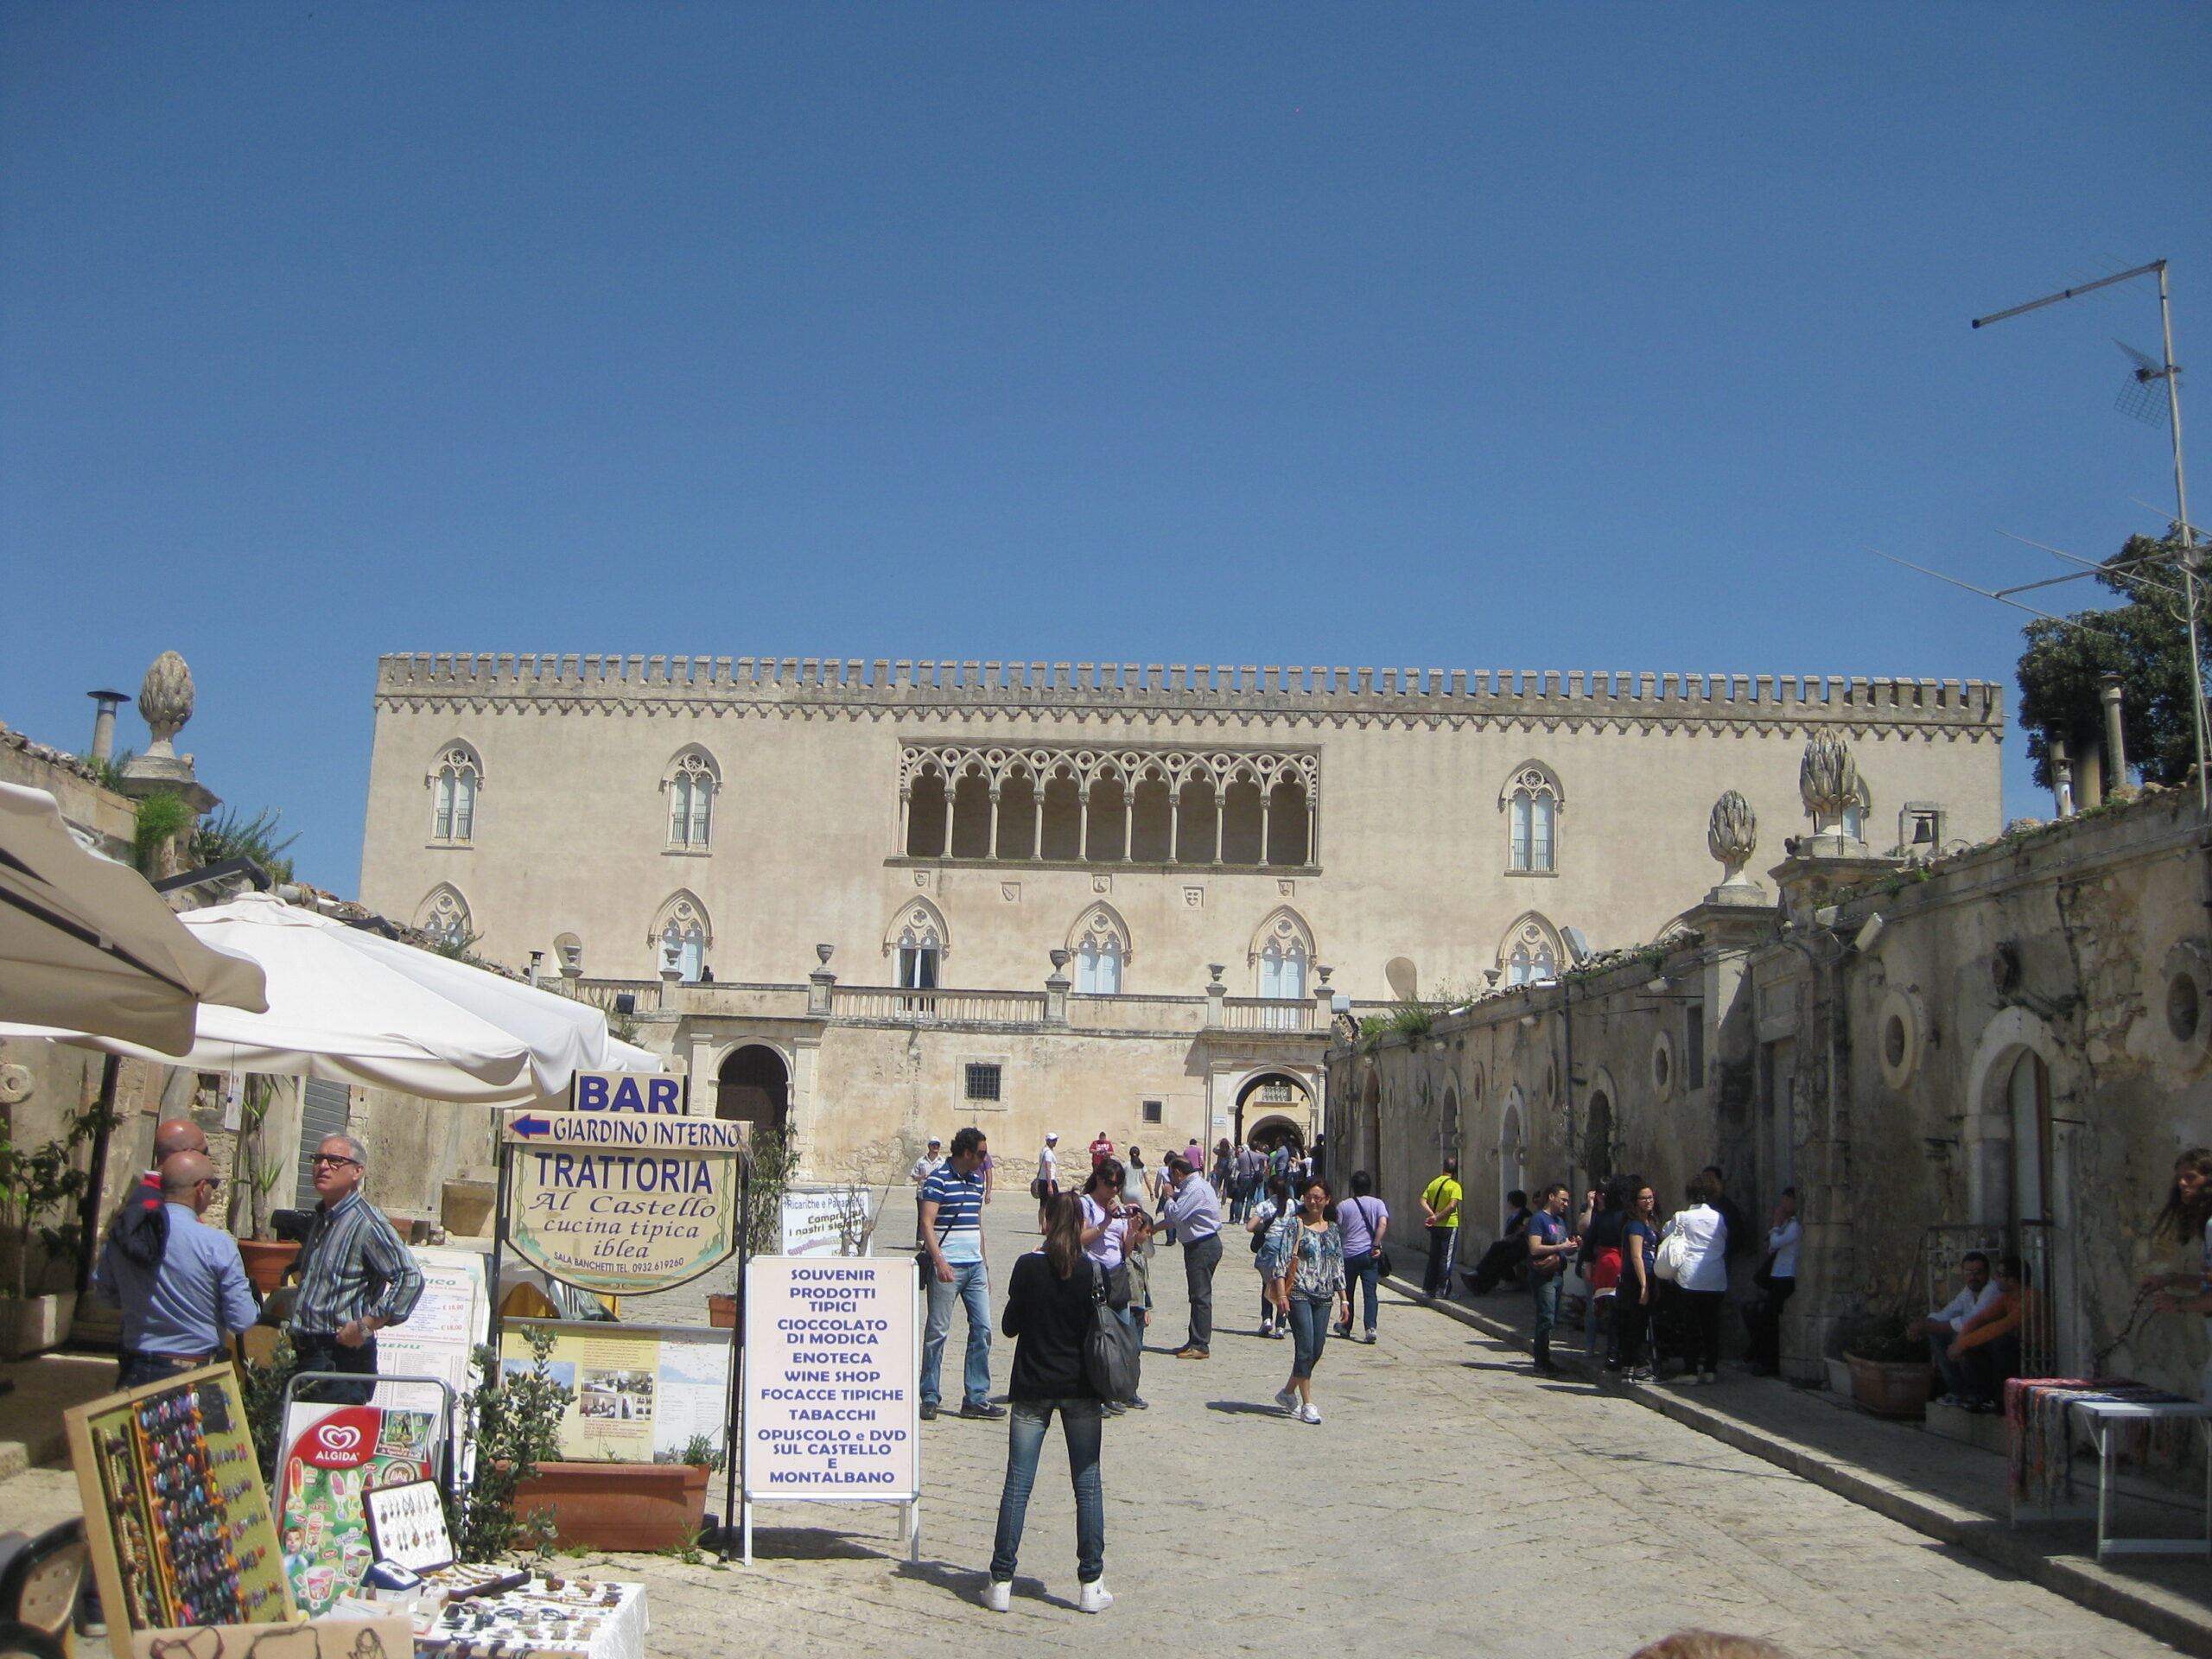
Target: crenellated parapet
{"points": [[856, 688]]}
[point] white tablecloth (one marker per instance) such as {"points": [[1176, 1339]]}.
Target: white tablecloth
{"points": [[551, 1634]]}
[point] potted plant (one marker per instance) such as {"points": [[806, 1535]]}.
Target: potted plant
{"points": [[35, 1184], [514, 1416], [256, 1176], [1890, 1373]]}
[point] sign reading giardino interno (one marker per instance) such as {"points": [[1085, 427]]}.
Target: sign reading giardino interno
{"points": [[609, 1201]]}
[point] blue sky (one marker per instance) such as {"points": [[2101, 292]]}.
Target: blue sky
{"points": [[1456, 336]]}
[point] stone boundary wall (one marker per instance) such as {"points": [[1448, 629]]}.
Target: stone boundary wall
{"points": [[1765, 703]]}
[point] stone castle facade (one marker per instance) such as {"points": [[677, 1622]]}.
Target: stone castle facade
{"points": [[874, 901]]}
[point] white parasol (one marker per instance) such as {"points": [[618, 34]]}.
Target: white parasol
{"points": [[349, 1006], [86, 944]]}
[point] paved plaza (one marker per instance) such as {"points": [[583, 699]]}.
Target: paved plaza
{"points": [[1448, 1503]]}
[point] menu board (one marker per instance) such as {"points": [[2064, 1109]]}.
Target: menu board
{"points": [[829, 1408], [176, 1516]]}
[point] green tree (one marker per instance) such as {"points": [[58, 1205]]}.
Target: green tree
{"points": [[2144, 640]]}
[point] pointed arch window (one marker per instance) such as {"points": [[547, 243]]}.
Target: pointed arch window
{"points": [[444, 916], [917, 945], [682, 937], [1281, 952], [454, 783], [692, 784], [1100, 947], [1531, 801], [1530, 955]]}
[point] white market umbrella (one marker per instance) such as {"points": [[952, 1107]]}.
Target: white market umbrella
{"points": [[349, 1006], [87, 943]]}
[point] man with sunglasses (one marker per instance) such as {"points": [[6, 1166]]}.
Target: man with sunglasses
{"points": [[356, 1277], [177, 1308]]}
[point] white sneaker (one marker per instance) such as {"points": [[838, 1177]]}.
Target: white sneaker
{"points": [[1311, 1414], [998, 1598], [1288, 1399], [1096, 1598]]}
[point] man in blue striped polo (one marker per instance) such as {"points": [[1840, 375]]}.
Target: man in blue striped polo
{"points": [[356, 1277], [952, 1233]]}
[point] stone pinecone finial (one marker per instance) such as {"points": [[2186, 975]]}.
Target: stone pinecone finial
{"points": [[1828, 781], [165, 701], [1731, 835]]}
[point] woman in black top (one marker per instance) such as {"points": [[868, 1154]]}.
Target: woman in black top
{"points": [[1048, 1312]]}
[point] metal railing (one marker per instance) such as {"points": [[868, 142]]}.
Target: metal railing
{"points": [[907, 1007], [1946, 1248]]}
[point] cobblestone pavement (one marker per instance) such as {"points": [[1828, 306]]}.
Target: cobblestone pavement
{"points": [[1449, 1501]]}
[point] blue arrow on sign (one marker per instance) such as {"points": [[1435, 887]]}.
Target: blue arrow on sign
{"points": [[528, 1125]]}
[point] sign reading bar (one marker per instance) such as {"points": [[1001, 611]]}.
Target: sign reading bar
{"points": [[829, 1365], [654, 1093], [622, 1203]]}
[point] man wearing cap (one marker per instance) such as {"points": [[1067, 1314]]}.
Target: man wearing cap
{"points": [[177, 1309], [923, 1167], [1048, 1168]]}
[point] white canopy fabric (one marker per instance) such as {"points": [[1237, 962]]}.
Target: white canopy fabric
{"points": [[349, 1006], [85, 942]]}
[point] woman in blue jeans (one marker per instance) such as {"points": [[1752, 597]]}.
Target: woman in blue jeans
{"points": [[1048, 1309], [1313, 1279], [1362, 1219]]}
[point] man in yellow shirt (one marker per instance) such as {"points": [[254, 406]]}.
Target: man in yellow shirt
{"points": [[1439, 1204]]}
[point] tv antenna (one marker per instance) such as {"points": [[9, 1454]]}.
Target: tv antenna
{"points": [[2134, 399]]}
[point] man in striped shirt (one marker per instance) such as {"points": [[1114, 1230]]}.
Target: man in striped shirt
{"points": [[356, 1277], [952, 1234]]}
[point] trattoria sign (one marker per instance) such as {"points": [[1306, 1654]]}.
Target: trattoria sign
{"points": [[620, 1202]]}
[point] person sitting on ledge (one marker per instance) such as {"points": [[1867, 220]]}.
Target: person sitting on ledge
{"points": [[1988, 1344], [1941, 1327], [1505, 1256]]}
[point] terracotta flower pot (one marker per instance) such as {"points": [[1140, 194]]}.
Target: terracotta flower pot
{"points": [[1890, 1388], [722, 1313], [266, 1260], [639, 1506]]}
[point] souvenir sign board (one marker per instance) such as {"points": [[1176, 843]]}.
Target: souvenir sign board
{"points": [[830, 1407], [322, 1638], [623, 1201], [175, 1515], [408, 1525], [335, 1457]]}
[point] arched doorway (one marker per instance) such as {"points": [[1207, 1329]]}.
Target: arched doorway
{"points": [[1275, 1100], [1597, 1143], [1512, 1156], [1271, 1132], [755, 1088]]}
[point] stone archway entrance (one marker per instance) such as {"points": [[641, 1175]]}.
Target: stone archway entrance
{"points": [[1271, 1101], [755, 1088]]}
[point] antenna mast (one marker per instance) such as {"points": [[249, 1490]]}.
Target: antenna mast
{"points": [[2192, 556]]}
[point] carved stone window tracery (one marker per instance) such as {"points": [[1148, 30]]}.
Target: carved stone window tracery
{"points": [[1108, 804], [1531, 799], [691, 785], [1100, 944], [444, 916], [455, 778], [682, 936], [1531, 954]]}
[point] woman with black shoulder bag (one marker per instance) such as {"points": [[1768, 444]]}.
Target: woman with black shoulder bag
{"points": [[1049, 1304]]}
